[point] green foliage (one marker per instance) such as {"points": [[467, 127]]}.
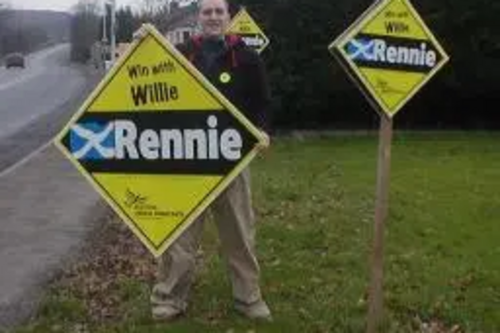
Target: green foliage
{"points": [[84, 30], [15, 37], [311, 89], [127, 24]]}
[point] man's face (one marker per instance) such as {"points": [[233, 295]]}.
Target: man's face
{"points": [[213, 17]]}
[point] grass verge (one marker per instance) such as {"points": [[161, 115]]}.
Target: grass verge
{"points": [[315, 200]]}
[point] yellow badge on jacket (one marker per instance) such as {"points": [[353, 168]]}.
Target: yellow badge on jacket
{"points": [[225, 77]]}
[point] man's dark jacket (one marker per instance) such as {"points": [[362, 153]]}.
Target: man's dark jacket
{"points": [[247, 87]]}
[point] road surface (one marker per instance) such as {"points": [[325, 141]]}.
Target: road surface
{"points": [[46, 206], [47, 82], [35, 101]]}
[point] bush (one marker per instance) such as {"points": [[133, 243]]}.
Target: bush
{"points": [[311, 90]]}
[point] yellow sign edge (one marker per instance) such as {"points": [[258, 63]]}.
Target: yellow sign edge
{"points": [[150, 30], [367, 89], [93, 182], [374, 104], [368, 15], [335, 49], [416, 88], [353, 26], [236, 17], [445, 57]]}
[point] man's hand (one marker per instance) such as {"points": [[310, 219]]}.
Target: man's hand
{"points": [[261, 146]]}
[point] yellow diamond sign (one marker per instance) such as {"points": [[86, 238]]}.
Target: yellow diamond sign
{"points": [[158, 141], [244, 26], [390, 52]]}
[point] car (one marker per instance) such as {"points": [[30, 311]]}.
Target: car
{"points": [[14, 60]]}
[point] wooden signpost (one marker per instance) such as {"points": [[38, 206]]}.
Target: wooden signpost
{"points": [[390, 54]]}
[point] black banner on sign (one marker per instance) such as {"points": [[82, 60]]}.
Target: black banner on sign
{"points": [[394, 53], [253, 40], [168, 142]]}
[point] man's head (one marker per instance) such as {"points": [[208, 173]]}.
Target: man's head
{"points": [[213, 17]]}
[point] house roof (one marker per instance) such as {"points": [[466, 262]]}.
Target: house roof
{"points": [[181, 17]]}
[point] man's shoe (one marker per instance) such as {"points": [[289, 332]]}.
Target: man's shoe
{"points": [[166, 313], [255, 311]]}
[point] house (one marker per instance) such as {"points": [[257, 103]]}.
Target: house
{"points": [[181, 23]]}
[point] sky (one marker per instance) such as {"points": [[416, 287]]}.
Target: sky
{"points": [[65, 5], [59, 5]]}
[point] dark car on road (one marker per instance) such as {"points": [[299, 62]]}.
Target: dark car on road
{"points": [[15, 60]]}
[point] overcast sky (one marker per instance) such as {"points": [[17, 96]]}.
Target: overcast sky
{"points": [[60, 5]]}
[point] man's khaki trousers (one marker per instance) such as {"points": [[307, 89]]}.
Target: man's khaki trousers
{"points": [[235, 221]]}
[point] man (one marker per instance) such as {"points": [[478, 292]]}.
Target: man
{"points": [[238, 73]]}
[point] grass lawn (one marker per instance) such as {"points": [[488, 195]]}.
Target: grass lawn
{"points": [[315, 203]]}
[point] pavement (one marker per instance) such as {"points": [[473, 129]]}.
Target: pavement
{"points": [[48, 212]]}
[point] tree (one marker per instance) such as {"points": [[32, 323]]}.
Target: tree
{"points": [[4, 7], [84, 29], [311, 90], [127, 24], [17, 34]]}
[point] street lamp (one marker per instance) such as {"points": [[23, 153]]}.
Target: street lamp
{"points": [[113, 31], [104, 25], [111, 4]]}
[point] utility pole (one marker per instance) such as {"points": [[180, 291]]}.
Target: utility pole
{"points": [[109, 8], [104, 25], [113, 31]]}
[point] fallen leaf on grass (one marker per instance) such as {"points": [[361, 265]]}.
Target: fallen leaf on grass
{"points": [[116, 255]]}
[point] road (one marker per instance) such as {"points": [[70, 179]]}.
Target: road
{"points": [[35, 102], [47, 82], [46, 206]]}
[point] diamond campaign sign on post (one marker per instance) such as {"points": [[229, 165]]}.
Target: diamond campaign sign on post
{"points": [[390, 53], [157, 141], [245, 26]]}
